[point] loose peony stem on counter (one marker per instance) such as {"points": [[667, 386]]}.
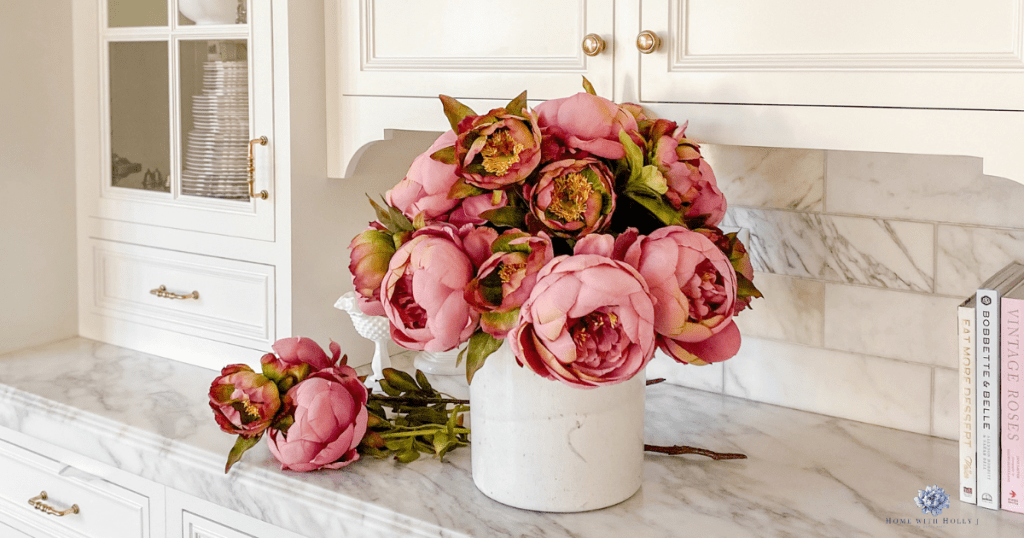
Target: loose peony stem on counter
{"points": [[679, 449], [655, 381], [416, 400]]}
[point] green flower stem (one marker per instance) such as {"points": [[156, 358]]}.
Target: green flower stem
{"points": [[416, 400], [420, 431]]}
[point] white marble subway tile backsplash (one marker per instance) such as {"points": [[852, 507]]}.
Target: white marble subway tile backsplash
{"points": [[863, 258], [793, 310], [770, 177], [891, 324], [879, 391]]}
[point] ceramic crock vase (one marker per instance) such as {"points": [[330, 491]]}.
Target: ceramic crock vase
{"points": [[544, 445]]}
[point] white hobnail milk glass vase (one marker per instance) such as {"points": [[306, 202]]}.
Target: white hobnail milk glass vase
{"points": [[544, 445]]}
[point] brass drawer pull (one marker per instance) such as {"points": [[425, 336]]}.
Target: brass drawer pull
{"points": [[38, 504], [262, 195], [162, 292]]}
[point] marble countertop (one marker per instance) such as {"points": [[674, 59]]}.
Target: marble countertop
{"points": [[807, 474]]}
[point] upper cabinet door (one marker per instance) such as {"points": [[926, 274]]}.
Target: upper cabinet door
{"points": [[169, 95], [473, 48], [874, 53]]}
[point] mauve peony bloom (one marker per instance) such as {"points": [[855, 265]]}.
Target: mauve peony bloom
{"points": [[586, 122], [426, 185], [302, 350], [330, 421], [470, 209], [498, 148], [572, 198], [587, 323], [693, 285], [692, 186], [423, 291], [505, 280], [370, 252], [243, 401]]}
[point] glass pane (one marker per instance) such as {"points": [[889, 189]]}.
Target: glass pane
{"points": [[211, 12], [215, 119], [136, 13], [140, 137]]}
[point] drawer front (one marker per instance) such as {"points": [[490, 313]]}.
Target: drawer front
{"points": [[225, 300], [105, 509], [194, 526]]}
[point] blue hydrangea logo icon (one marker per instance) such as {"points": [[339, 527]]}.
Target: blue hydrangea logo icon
{"points": [[932, 500]]}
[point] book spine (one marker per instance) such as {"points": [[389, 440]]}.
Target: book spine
{"points": [[1011, 385], [968, 451], [986, 328]]}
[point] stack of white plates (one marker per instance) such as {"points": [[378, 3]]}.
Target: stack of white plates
{"points": [[216, 159]]}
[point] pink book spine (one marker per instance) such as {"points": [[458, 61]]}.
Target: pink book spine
{"points": [[1011, 387]]}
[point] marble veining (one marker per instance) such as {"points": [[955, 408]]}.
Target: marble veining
{"points": [[853, 250], [769, 177], [807, 474]]}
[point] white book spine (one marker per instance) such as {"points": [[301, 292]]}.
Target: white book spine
{"points": [[987, 389], [968, 424]]}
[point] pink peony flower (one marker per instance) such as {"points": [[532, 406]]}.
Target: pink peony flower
{"points": [[586, 122], [572, 198], [498, 148], [505, 280], [423, 291], [330, 421], [426, 185], [693, 285], [243, 401], [301, 350], [587, 323], [476, 242], [370, 252], [470, 209], [691, 182]]}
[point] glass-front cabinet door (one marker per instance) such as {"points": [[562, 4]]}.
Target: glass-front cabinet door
{"points": [[184, 117]]}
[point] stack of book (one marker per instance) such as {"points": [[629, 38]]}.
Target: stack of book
{"points": [[991, 448]]}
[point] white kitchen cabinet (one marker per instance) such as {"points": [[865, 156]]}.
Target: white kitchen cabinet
{"points": [[193, 142], [913, 77], [190, 517], [50, 493]]}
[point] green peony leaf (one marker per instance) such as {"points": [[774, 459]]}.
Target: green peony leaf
{"points": [[588, 87], [424, 384], [517, 105], [508, 216], [652, 178], [241, 445], [657, 206], [481, 345], [407, 456], [455, 111], [445, 155], [400, 380], [388, 389], [745, 287], [634, 156], [461, 189]]}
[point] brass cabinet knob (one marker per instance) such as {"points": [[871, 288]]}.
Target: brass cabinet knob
{"points": [[262, 195], [163, 293], [593, 44], [37, 503], [647, 42]]}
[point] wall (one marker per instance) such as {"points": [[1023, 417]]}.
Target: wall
{"points": [[37, 176], [863, 258]]}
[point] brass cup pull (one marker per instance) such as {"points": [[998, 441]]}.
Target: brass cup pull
{"points": [[592, 44], [647, 42], [162, 292], [252, 169], [37, 503]]}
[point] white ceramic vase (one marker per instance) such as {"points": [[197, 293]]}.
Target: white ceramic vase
{"points": [[543, 445], [373, 328]]}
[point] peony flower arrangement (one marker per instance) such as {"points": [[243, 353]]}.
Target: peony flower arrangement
{"points": [[583, 232], [319, 415]]}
